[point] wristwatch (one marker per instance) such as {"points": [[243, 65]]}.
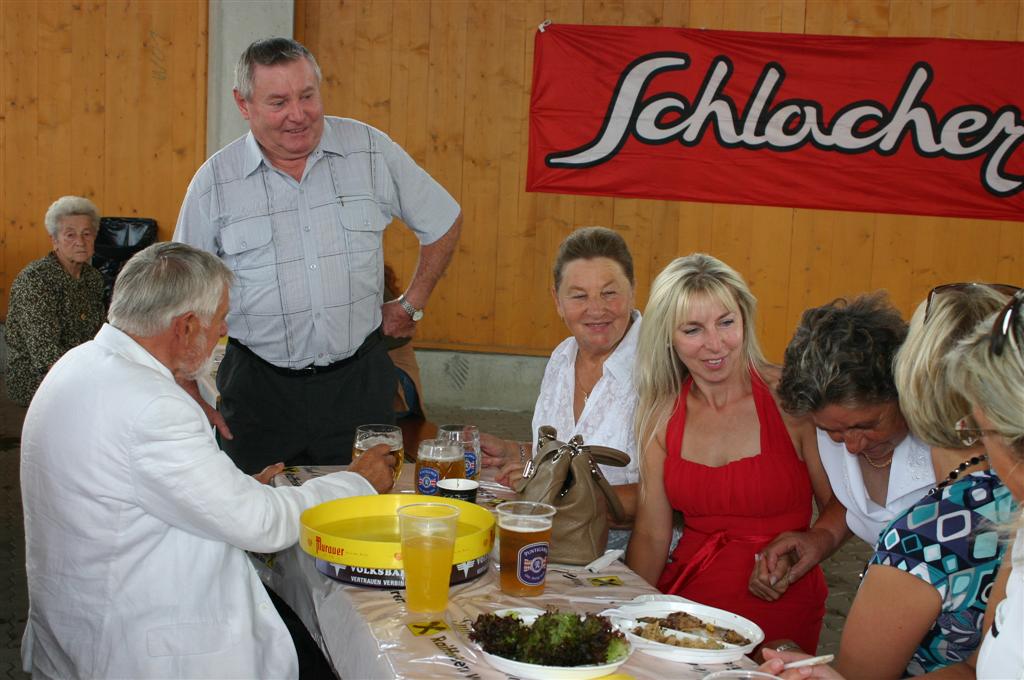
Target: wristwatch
{"points": [[415, 314]]}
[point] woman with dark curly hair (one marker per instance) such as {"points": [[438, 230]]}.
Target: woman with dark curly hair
{"points": [[838, 369]]}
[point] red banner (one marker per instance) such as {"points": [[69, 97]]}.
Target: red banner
{"points": [[902, 125]]}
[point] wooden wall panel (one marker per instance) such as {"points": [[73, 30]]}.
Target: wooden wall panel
{"points": [[104, 99]]}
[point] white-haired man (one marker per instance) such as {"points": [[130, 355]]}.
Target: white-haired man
{"points": [[297, 209], [136, 524]]}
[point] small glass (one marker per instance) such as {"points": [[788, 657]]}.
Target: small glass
{"points": [[436, 460], [368, 436], [469, 437], [428, 543]]}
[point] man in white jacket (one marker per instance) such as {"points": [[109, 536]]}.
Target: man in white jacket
{"points": [[136, 524]]}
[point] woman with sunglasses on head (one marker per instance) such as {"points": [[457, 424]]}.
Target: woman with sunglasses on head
{"points": [[988, 370], [938, 561]]}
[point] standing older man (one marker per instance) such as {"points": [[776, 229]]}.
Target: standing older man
{"points": [[297, 209], [136, 525]]}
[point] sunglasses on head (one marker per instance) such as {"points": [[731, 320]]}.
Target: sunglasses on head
{"points": [[1006, 325], [1004, 288]]}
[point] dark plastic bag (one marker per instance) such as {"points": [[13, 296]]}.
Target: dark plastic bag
{"points": [[118, 239]]}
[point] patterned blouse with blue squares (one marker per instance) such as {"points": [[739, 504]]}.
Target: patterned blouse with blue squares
{"points": [[951, 541]]}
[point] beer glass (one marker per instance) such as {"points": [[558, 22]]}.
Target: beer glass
{"points": [[437, 459], [524, 534], [368, 436], [428, 542], [469, 437]]}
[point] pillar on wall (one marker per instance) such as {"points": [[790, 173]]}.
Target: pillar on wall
{"points": [[233, 25]]}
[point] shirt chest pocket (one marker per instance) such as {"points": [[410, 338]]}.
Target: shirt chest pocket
{"points": [[363, 226], [248, 247]]}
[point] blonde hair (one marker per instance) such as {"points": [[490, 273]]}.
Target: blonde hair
{"points": [[659, 373], [927, 399], [992, 384]]}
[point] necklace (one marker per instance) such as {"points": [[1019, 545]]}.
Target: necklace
{"points": [[880, 466], [955, 472]]}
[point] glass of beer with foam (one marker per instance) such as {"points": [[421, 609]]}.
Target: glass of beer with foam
{"points": [[438, 459], [524, 535], [428, 543], [468, 436], [368, 436]]}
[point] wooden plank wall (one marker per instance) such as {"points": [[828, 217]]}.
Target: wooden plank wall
{"points": [[450, 79], [101, 99]]}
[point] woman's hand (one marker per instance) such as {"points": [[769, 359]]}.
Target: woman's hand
{"points": [[774, 661], [497, 452], [509, 473], [770, 583]]}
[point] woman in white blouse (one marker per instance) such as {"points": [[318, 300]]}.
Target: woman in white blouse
{"points": [[588, 383]]}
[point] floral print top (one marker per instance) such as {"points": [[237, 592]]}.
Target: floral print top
{"points": [[49, 313]]}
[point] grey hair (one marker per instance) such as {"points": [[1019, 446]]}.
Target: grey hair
{"points": [[268, 52], [659, 372], [66, 206], [842, 353], [163, 282], [928, 401]]}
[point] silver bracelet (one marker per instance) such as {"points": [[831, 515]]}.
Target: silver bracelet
{"points": [[522, 452]]}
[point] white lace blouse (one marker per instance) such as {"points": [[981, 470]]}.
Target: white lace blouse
{"points": [[607, 417]]}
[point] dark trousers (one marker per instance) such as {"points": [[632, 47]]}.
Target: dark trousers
{"points": [[302, 419], [313, 665]]}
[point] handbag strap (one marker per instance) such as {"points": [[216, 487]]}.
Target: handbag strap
{"points": [[547, 443]]}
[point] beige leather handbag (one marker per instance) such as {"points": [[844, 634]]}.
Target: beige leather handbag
{"points": [[566, 476]]}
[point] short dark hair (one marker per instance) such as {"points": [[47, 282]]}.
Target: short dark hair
{"points": [[267, 52], [842, 353], [587, 243]]}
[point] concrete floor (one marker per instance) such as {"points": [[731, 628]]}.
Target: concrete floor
{"points": [[841, 570]]}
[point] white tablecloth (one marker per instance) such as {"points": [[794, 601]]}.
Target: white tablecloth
{"points": [[367, 632]]}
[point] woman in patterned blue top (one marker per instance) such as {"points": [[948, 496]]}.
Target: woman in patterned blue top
{"points": [[922, 602]]}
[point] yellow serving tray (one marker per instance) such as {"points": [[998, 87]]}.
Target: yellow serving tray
{"points": [[362, 531]]}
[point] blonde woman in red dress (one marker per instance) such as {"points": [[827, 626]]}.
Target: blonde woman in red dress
{"points": [[716, 447]]}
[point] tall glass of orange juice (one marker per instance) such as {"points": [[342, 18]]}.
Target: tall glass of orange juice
{"points": [[428, 542]]}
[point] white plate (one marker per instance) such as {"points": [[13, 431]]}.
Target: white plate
{"points": [[625, 616], [532, 671], [659, 597]]}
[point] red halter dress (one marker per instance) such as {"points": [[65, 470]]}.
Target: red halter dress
{"points": [[730, 513]]}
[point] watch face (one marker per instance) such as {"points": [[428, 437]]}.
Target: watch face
{"points": [[417, 315]]}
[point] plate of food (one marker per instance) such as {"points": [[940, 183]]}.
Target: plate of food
{"points": [[686, 631], [534, 644]]}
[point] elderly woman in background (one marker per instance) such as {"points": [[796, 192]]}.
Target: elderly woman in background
{"points": [[588, 382], [838, 370], [716, 447], [56, 301]]}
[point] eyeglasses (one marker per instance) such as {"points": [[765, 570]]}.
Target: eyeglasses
{"points": [[1004, 325], [1004, 288], [968, 432]]}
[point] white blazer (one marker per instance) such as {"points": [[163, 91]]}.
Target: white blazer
{"points": [[136, 527]]}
